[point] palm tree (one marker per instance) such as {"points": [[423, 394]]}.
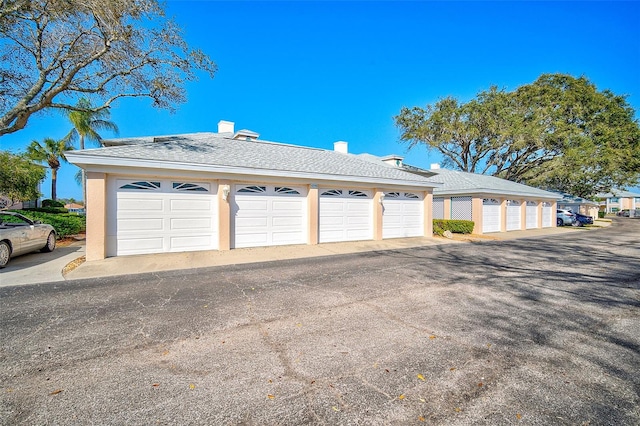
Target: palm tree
{"points": [[86, 125], [50, 151]]}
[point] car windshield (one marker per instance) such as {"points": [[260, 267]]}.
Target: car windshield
{"points": [[13, 220]]}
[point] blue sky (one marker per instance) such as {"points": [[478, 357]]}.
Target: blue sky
{"points": [[312, 73]]}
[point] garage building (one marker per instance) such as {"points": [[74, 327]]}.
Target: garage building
{"points": [[225, 190]]}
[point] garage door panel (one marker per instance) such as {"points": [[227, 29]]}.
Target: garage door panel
{"points": [[251, 204], [191, 223], [287, 221], [359, 208], [358, 234], [190, 205], [251, 222], [182, 242], [140, 205], [252, 239], [286, 237], [287, 207], [357, 220], [332, 221], [138, 245], [136, 225], [333, 206]]}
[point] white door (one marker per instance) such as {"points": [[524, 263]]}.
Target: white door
{"points": [[490, 215], [345, 215], [155, 216], [532, 215], [269, 215], [514, 217], [402, 215], [547, 218]]}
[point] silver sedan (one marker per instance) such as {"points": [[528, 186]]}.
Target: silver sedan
{"points": [[20, 235]]}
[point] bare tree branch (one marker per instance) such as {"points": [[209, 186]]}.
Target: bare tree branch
{"points": [[55, 51]]}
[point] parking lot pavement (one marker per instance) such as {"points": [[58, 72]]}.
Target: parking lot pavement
{"points": [[529, 331], [35, 268]]}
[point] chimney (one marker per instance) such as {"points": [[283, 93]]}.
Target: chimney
{"points": [[341, 147], [434, 166], [225, 126]]}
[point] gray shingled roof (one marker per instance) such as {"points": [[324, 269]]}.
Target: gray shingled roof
{"points": [[619, 193], [214, 149], [456, 182], [453, 182]]}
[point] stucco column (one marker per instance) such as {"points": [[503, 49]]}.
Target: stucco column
{"points": [[96, 205], [428, 214], [447, 208], [313, 214], [503, 215], [539, 207], [523, 214], [476, 214], [377, 214], [224, 214]]}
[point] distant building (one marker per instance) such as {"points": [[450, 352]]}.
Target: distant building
{"points": [[619, 199]]}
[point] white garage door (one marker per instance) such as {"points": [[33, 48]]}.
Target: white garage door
{"points": [[547, 219], [402, 215], [514, 218], [532, 215], [490, 215], [345, 215], [155, 216], [268, 215]]}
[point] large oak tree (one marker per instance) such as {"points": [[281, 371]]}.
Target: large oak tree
{"points": [[558, 133], [54, 52]]}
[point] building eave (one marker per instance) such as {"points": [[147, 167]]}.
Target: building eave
{"points": [[94, 162]]}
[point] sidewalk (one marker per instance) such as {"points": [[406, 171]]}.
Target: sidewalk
{"points": [[66, 263], [136, 264]]}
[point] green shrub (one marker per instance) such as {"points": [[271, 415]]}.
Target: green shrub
{"points": [[455, 226], [65, 223], [52, 210], [52, 203], [601, 215]]}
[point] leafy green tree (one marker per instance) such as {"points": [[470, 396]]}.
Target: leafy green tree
{"points": [[53, 52], [51, 152], [559, 133], [86, 124], [19, 177]]}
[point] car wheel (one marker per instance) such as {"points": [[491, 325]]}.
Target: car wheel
{"points": [[577, 223], [51, 243], [5, 253], [559, 222]]}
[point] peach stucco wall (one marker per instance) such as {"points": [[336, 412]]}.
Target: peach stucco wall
{"points": [[224, 215], [313, 209], [377, 214], [96, 243], [428, 214]]}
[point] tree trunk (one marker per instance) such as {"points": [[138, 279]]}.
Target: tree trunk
{"points": [[84, 175], [54, 182]]}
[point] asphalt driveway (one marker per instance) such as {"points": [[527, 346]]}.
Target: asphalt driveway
{"points": [[535, 331]]}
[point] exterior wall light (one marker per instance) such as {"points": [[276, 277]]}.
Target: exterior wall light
{"points": [[381, 198], [225, 192]]}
